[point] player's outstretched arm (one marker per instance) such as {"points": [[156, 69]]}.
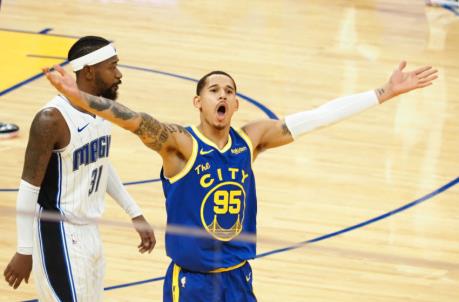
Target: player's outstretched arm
{"points": [[267, 134], [158, 136]]}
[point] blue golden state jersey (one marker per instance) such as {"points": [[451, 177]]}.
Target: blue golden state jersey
{"points": [[215, 192]]}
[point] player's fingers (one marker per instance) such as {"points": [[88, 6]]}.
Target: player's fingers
{"points": [[143, 244], [142, 250], [59, 69], [427, 73], [402, 65], [8, 273], [17, 282], [424, 85], [422, 69], [26, 278], [153, 243], [151, 248], [11, 280], [429, 79]]}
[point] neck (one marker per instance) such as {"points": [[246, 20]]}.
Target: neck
{"points": [[218, 136], [88, 89]]}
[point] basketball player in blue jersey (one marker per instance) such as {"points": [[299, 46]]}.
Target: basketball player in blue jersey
{"points": [[207, 176], [67, 172]]}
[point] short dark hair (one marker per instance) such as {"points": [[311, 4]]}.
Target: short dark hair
{"points": [[202, 81], [86, 45]]}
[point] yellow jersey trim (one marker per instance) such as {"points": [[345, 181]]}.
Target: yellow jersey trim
{"points": [[247, 139], [227, 269], [211, 143], [175, 283], [189, 163]]}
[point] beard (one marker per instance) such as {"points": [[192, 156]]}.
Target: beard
{"points": [[111, 92]]}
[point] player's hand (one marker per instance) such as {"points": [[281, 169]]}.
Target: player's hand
{"points": [[402, 82], [18, 269], [147, 236], [63, 82]]}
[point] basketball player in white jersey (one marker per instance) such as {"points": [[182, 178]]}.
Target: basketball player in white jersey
{"points": [[67, 172]]}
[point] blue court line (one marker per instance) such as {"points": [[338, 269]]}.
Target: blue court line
{"points": [[365, 223], [45, 31], [38, 33], [317, 239], [271, 115], [323, 237], [262, 107], [320, 238], [33, 78], [452, 9]]}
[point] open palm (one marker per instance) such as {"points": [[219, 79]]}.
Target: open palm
{"points": [[62, 81], [401, 82]]}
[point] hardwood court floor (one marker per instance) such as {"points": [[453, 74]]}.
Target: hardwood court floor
{"points": [[289, 56]]}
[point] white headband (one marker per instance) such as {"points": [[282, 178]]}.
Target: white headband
{"points": [[94, 57]]}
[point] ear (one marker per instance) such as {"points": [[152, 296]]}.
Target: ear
{"points": [[237, 104], [197, 102], [88, 73]]}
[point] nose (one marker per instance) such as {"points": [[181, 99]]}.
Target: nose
{"points": [[118, 74], [222, 95]]}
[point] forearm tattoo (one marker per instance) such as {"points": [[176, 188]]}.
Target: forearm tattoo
{"points": [[95, 102], [122, 112], [285, 130], [154, 134], [100, 104], [380, 91]]}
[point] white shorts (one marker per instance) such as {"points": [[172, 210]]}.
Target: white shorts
{"points": [[68, 262]]}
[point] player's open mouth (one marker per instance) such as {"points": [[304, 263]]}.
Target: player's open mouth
{"points": [[221, 111]]}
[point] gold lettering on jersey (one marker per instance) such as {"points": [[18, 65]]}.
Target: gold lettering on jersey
{"points": [[233, 172], [238, 150], [208, 179], [244, 176], [205, 182], [201, 168]]}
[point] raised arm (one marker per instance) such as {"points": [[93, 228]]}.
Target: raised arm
{"points": [[267, 134], [171, 141]]}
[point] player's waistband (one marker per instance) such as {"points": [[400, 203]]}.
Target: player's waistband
{"points": [[217, 270], [227, 269]]}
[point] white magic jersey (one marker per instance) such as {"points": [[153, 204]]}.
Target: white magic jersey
{"points": [[76, 179]]}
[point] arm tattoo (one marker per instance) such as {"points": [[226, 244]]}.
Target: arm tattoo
{"points": [[380, 91], [95, 102], [285, 130], [122, 112], [154, 134], [151, 132], [100, 104], [176, 128]]}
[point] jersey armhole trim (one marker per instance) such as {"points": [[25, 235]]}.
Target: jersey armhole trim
{"points": [[248, 141], [189, 163], [65, 117]]}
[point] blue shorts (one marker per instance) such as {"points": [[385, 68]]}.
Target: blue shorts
{"points": [[181, 285]]}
